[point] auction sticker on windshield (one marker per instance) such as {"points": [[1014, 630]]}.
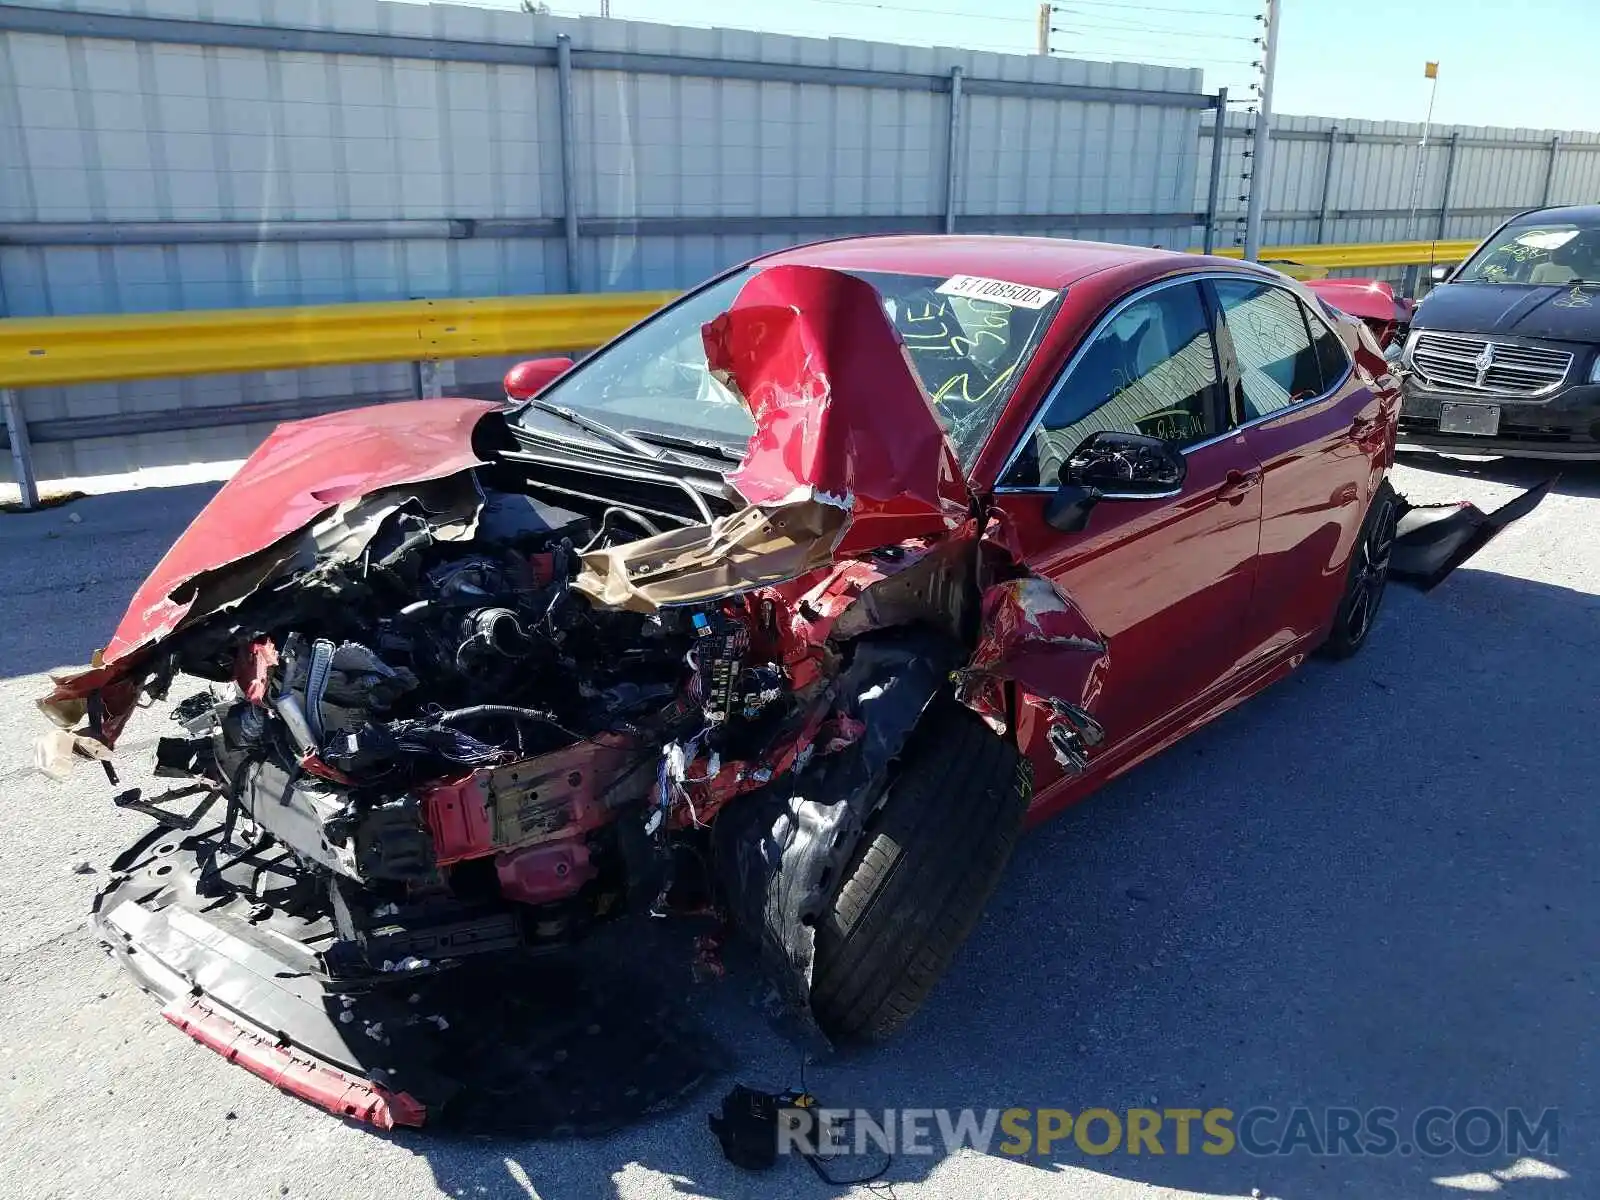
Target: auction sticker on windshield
{"points": [[976, 287]]}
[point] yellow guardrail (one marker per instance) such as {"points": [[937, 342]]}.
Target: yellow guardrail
{"points": [[47, 351], [1374, 254]]}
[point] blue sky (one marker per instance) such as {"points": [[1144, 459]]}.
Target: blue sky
{"points": [[1531, 63]]}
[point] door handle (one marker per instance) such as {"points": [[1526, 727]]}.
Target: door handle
{"points": [[1237, 484]]}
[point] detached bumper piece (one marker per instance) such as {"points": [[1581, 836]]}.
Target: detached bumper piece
{"points": [[280, 1065], [1431, 540], [233, 943]]}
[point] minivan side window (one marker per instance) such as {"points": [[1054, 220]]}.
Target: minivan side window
{"points": [[1277, 363], [1152, 370]]}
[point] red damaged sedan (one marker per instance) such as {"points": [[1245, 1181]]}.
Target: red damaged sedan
{"points": [[796, 602]]}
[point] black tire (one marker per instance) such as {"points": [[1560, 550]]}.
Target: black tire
{"points": [[930, 858], [1367, 577]]}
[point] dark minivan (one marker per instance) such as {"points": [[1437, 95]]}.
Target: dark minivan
{"points": [[1504, 355]]}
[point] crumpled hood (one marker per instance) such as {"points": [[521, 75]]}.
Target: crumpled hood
{"points": [[302, 471], [1563, 312], [839, 412], [1367, 299], [840, 417]]}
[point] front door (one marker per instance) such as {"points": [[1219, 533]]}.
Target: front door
{"points": [[1167, 581]]}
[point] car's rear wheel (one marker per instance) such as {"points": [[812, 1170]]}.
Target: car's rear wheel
{"points": [[930, 858], [1367, 577]]}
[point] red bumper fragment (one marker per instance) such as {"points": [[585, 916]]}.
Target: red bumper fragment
{"points": [[294, 1071]]}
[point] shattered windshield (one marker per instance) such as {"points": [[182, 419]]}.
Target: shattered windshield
{"points": [[1537, 252], [968, 350]]}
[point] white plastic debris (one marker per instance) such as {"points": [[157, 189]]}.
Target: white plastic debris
{"points": [[55, 752], [440, 1022]]}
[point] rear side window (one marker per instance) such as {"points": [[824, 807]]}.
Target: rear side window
{"points": [[1331, 354], [1151, 369], [1278, 366]]}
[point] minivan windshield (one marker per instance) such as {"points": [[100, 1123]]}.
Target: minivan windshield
{"points": [[654, 381], [1537, 252]]}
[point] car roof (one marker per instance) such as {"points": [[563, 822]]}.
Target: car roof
{"points": [[1571, 212], [1037, 261]]}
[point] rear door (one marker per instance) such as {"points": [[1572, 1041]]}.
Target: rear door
{"points": [[1168, 580], [1315, 427]]}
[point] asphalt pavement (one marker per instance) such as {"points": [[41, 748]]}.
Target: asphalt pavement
{"points": [[1374, 886]]}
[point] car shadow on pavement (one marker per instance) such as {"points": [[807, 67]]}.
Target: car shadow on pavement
{"points": [[1373, 886]]}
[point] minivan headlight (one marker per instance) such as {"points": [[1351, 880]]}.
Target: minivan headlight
{"points": [[1594, 368]]}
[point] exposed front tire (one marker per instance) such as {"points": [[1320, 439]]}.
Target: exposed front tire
{"points": [[931, 856], [1367, 577]]}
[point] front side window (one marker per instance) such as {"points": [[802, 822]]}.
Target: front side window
{"points": [[1278, 365], [1537, 251], [1150, 369], [968, 352]]}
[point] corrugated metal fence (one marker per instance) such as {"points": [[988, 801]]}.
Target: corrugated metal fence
{"points": [[1355, 181], [189, 154], [375, 151]]}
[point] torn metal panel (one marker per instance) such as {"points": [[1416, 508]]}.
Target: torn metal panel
{"points": [[445, 510], [303, 471], [1431, 540], [1037, 639], [839, 412]]}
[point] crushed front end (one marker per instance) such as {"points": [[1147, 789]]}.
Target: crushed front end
{"points": [[450, 696]]}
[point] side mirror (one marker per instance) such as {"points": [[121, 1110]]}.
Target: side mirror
{"points": [[528, 379], [1440, 272], [1126, 466], [1113, 466]]}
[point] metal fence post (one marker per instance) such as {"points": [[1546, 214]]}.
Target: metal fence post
{"points": [[1261, 164], [1449, 178], [569, 158], [952, 162], [425, 379], [1327, 186], [1550, 171], [1219, 134], [21, 447]]}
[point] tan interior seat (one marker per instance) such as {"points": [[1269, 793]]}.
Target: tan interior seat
{"points": [[1552, 272]]}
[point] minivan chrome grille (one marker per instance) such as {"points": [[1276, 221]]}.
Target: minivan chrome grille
{"points": [[1456, 362]]}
